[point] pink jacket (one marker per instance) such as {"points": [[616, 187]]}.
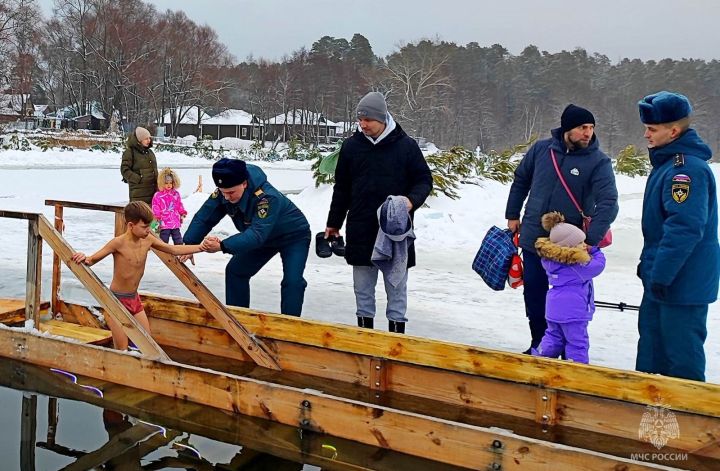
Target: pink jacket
{"points": [[167, 208]]}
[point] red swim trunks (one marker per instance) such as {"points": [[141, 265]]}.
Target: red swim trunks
{"points": [[131, 301]]}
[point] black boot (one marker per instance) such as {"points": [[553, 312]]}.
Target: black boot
{"points": [[397, 327], [366, 322]]}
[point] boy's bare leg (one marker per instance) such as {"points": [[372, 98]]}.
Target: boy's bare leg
{"points": [[120, 339], [141, 317]]}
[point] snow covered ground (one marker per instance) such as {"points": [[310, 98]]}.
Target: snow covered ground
{"points": [[447, 300]]}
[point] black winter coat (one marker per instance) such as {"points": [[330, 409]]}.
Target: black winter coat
{"points": [[365, 176], [139, 169]]}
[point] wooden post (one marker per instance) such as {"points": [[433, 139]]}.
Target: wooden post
{"points": [[34, 273], [119, 223], [55, 291], [28, 429], [52, 420], [199, 188]]}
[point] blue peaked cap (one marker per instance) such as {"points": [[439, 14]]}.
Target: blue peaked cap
{"points": [[664, 107]]}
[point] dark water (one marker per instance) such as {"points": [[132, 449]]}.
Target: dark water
{"points": [[129, 429]]}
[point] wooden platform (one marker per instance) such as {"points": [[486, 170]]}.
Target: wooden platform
{"points": [[77, 332]]}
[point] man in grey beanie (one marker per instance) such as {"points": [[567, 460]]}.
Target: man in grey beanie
{"points": [[376, 162]]}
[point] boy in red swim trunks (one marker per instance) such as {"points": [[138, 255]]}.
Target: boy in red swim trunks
{"points": [[129, 252]]}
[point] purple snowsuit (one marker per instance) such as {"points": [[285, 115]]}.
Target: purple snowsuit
{"points": [[569, 306]]}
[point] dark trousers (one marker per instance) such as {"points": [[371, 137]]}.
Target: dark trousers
{"points": [[244, 266], [535, 288], [671, 339], [175, 233]]}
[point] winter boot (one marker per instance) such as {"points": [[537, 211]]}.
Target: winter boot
{"points": [[397, 327], [366, 322]]}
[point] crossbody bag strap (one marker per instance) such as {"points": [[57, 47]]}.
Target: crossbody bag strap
{"points": [[565, 185]]}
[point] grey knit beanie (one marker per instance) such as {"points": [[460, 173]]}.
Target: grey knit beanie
{"points": [[373, 106], [141, 134]]}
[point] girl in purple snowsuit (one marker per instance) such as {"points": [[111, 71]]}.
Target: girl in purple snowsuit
{"points": [[167, 206], [570, 265]]}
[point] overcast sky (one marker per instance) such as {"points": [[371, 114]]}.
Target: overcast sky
{"points": [[644, 29]]}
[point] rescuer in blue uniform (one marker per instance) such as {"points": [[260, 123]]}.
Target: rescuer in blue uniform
{"points": [[268, 224], [680, 261]]}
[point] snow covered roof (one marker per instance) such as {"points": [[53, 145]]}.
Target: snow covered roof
{"points": [[231, 117], [191, 117], [300, 117]]}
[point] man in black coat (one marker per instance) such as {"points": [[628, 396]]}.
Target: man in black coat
{"points": [[378, 161]]}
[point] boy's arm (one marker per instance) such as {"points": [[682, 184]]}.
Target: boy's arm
{"points": [[175, 249], [109, 248]]}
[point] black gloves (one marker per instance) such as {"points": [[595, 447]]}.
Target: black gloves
{"points": [[659, 291]]}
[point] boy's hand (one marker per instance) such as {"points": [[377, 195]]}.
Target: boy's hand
{"points": [[185, 258], [211, 244], [79, 257]]}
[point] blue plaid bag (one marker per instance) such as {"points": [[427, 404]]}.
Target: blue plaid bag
{"points": [[492, 261]]}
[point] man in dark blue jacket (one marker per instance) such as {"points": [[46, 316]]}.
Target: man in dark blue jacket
{"points": [[680, 261], [377, 161], [268, 222], [589, 174]]}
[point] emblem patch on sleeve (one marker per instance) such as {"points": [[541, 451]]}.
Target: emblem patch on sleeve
{"points": [[681, 178], [263, 208], [680, 192], [215, 193]]}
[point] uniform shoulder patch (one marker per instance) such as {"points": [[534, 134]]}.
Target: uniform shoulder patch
{"points": [[681, 178], [263, 208], [215, 194], [679, 160], [680, 192]]}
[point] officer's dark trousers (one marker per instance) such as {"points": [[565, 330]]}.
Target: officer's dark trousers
{"points": [[244, 266], [671, 339], [535, 288]]}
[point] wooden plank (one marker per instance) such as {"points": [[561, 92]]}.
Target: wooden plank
{"points": [[34, 273], [56, 272], [77, 332], [4, 213], [101, 293], [83, 205], [79, 314], [253, 434], [631, 386], [436, 439], [12, 311], [251, 345]]}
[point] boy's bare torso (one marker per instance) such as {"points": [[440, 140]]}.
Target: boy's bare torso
{"points": [[129, 256]]}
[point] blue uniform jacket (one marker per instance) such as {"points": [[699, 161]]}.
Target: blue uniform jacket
{"points": [[589, 174], [263, 218], [680, 223]]}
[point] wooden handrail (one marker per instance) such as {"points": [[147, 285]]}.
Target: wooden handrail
{"points": [[254, 347]]}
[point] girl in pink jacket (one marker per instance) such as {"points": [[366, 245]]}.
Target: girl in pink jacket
{"points": [[167, 206]]}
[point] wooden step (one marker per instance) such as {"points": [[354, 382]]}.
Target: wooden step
{"points": [[12, 310], [78, 332]]}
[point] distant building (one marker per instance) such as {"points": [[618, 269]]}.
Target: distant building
{"points": [[186, 121], [14, 107], [306, 125], [233, 123]]}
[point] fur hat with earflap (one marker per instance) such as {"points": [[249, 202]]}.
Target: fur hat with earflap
{"points": [[566, 243], [164, 175]]}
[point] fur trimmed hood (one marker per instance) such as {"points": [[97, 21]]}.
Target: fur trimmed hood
{"points": [[161, 178], [577, 255]]}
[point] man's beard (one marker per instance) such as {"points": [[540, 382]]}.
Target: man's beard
{"points": [[579, 144]]}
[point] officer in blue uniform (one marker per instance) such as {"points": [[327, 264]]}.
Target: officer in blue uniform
{"points": [[268, 224], [680, 261]]}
